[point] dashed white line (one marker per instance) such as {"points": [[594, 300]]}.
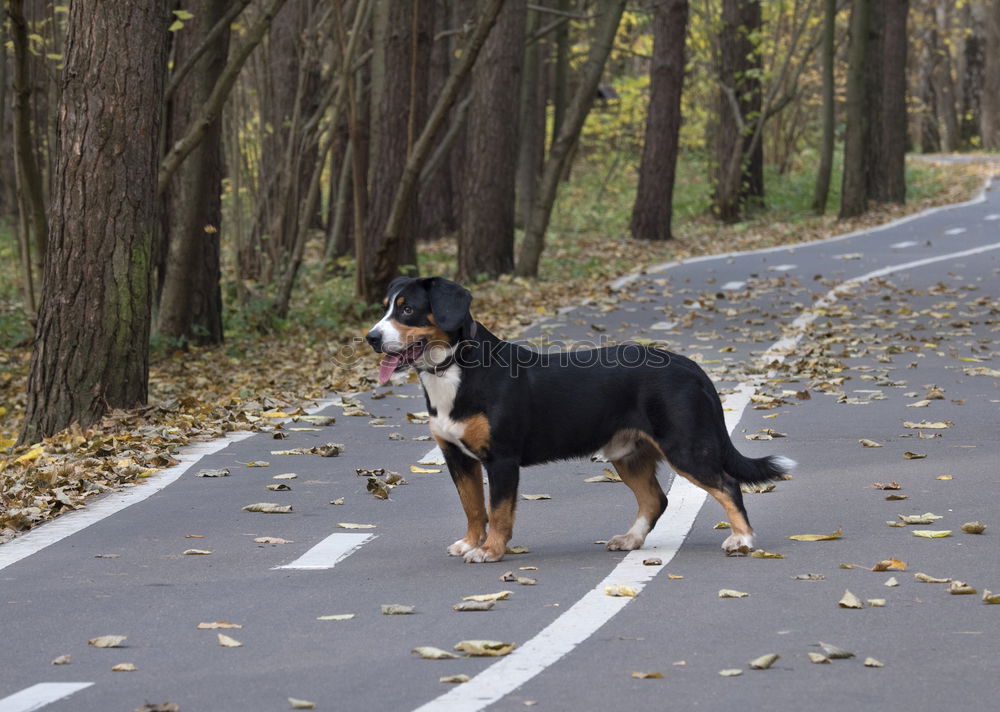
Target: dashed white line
{"points": [[904, 243], [733, 285], [595, 609], [37, 696], [992, 216], [782, 268], [955, 231], [330, 551]]}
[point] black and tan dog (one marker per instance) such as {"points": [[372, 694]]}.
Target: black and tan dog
{"points": [[496, 404]]}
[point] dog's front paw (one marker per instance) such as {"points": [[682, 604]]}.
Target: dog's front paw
{"points": [[625, 542], [460, 548], [481, 555], [738, 542]]}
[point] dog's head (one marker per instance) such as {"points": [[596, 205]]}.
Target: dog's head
{"points": [[425, 319]]}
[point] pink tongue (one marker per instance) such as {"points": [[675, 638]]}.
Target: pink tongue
{"points": [[387, 368]]}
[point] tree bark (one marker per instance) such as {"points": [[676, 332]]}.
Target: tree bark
{"points": [[944, 83], [92, 341], [929, 135], [576, 113], [853, 194], [531, 123], [486, 237], [886, 85], [191, 298], [829, 110], [971, 80], [653, 208], [990, 118]]}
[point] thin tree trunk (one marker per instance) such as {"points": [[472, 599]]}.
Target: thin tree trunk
{"points": [[486, 237], [92, 341], [886, 154], [531, 123], [829, 109], [990, 119], [653, 208], [944, 82], [853, 193], [971, 80], [191, 298], [576, 113], [560, 82]]}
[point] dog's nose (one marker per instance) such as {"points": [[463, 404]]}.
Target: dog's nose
{"points": [[374, 340]]}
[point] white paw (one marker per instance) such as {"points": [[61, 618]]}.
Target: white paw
{"points": [[625, 542], [459, 548], [737, 542], [480, 556]]}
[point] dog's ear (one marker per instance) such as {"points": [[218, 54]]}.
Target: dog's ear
{"points": [[450, 305], [397, 284]]}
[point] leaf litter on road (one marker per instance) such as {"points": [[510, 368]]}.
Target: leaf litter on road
{"points": [[429, 652], [268, 508], [226, 642], [107, 641], [818, 537]]}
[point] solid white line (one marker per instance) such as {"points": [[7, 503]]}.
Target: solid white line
{"points": [[955, 231], [330, 551], [904, 243], [782, 268], [72, 522], [37, 696], [595, 608]]}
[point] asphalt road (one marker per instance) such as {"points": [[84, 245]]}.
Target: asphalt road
{"points": [[826, 369]]}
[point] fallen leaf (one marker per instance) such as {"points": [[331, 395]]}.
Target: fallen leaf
{"points": [[107, 641], [285, 476], [730, 593], [474, 606], [920, 576], [226, 642], [876, 602], [456, 679], [648, 675], [891, 582], [833, 652], [976, 527], [928, 425], [535, 497], [278, 487], [925, 518], [887, 485], [498, 596], [914, 455], [339, 500], [417, 469], [158, 707], [620, 589], [944, 477], [674, 577], [761, 554], [107, 556], [218, 624], [990, 597], [895, 497], [196, 552], [818, 537], [428, 652], [336, 617], [261, 463], [652, 561], [517, 550], [321, 420], [731, 672], [484, 648], [849, 600], [268, 508], [757, 487], [722, 525], [818, 658], [931, 533], [958, 588], [217, 472], [608, 476], [869, 443], [919, 404], [272, 540], [890, 565], [298, 704], [352, 525], [396, 609], [419, 418], [62, 660], [872, 662], [809, 577], [764, 661], [124, 667]]}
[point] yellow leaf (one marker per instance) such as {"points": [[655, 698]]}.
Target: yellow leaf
{"points": [[764, 661], [124, 667], [931, 533], [818, 537], [351, 525], [424, 470], [761, 554], [621, 589], [890, 565], [498, 596], [647, 675], [33, 454], [484, 648], [914, 455], [944, 477]]}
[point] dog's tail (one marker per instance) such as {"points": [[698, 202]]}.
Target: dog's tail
{"points": [[756, 470]]}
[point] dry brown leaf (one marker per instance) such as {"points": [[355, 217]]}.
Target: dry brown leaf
{"points": [[849, 600], [920, 576], [278, 487], [873, 663], [429, 652], [959, 588], [485, 648], [107, 641], [976, 527], [764, 661], [474, 605], [298, 704], [648, 675], [196, 552], [517, 550], [652, 561], [535, 497], [818, 658], [833, 652], [730, 593], [818, 537], [272, 540], [62, 660], [925, 518], [454, 679], [928, 425], [761, 554], [990, 597], [396, 609], [216, 472], [722, 525], [914, 455], [218, 624], [268, 508], [621, 589], [226, 642], [869, 443], [890, 565], [887, 485], [498, 596], [124, 667]]}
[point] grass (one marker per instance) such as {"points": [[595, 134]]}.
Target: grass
{"points": [[14, 326]]}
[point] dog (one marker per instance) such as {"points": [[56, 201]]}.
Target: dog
{"points": [[502, 406]]}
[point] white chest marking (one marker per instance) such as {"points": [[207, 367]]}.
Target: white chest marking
{"points": [[441, 389]]}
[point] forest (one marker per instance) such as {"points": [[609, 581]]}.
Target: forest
{"points": [[201, 201]]}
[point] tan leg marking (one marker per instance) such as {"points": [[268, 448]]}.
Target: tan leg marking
{"points": [[470, 491], [742, 535], [638, 471], [501, 530]]}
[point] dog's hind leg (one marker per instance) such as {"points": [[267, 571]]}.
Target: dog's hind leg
{"points": [[638, 471], [726, 491], [467, 474]]}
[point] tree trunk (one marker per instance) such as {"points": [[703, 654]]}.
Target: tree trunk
{"points": [[740, 161], [829, 108], [486, 237], [930, 136], [191, 298], [853, 192], [971, 80], [944, 83], [576, 113], [990, 119], [653, 208], [92, 341], [886, 85], [7, 193], [531, 124]]}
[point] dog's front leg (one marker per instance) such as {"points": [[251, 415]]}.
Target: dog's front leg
{"points": [[467, 474], [503, 476]]}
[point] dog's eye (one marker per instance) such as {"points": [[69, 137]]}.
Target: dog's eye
{"points": [[407, 310]]}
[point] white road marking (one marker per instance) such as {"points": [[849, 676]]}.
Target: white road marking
{"points": [[904, 243], [72, 522], [595, 608], [37, 696], [330, 551], [733, 285], [992, 216], [955, 231], [782, 268]]}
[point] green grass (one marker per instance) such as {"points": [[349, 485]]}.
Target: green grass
{"points": [[14, 326]]}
